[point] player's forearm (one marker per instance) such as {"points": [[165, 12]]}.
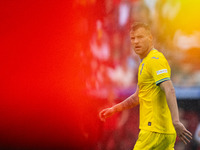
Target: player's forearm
{"points": [[128, 103], [171, 100], [172, 104]]}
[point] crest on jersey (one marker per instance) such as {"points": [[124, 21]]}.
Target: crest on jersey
{"points": [[141, 69]]}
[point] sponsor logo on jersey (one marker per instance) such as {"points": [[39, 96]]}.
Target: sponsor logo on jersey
{"points": [[161, 71]]}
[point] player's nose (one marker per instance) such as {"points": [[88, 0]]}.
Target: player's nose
{"points": [[135, 41]]}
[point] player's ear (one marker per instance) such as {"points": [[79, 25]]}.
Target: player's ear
{"points": [[151, 39]]}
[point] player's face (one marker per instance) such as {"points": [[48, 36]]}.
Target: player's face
{"points": [[141, 41]]}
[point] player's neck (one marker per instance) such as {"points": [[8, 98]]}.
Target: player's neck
{"points": [[146, 53]]}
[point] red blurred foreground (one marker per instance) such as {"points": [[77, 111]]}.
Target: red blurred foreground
{"points": [[41, 99]]}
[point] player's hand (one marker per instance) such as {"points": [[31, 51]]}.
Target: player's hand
{"points": [[105, 113], [182, 132]]}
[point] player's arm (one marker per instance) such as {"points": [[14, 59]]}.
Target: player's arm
{"points": [[181, 131], [128, 103]]}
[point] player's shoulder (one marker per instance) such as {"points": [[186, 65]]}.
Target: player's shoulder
{"points": [[156, 55]]}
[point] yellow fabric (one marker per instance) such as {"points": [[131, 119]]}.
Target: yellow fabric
{"points": [[154, 112], [148, 140]]}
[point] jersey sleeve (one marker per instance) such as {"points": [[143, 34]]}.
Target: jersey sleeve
{"points": [[159, 69]]}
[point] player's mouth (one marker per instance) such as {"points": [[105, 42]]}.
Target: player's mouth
{"points": [[138, 47]]}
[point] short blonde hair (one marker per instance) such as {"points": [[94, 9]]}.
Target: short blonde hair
{"points": [[137, 25]]}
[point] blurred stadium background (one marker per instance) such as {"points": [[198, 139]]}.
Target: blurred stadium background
{"points": [[63, 61]]}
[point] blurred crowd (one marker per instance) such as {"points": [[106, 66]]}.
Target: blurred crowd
{"points": [[120, 131], [110, 65], [106, 52]]}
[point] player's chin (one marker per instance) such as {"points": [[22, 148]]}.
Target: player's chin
{"points": [[137, 51]]}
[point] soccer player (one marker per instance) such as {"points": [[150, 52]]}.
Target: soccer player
{"points": [[159, 118]]}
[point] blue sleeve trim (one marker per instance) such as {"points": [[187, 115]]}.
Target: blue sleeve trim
{"points": [[162, 80]]}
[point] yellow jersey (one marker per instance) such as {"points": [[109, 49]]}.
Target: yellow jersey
{"points": [[155, 115]]}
